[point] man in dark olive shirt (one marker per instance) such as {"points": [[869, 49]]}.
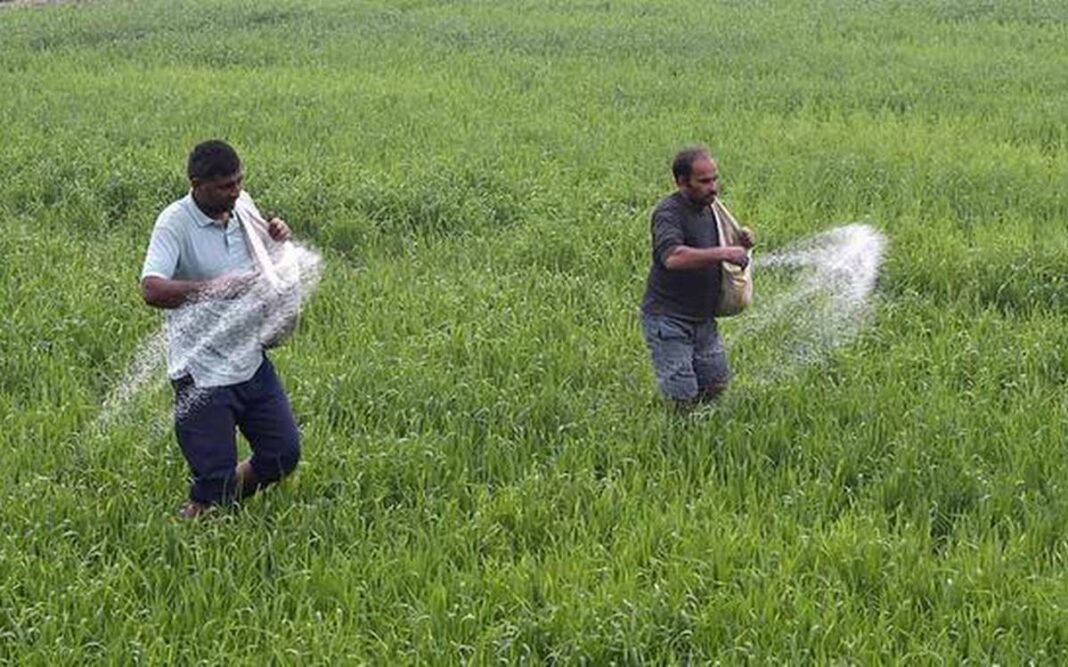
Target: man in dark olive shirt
{"points": [[684, 284]]}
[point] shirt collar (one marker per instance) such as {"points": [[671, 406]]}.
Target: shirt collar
{"points": [[200, 217], [687, 202]]}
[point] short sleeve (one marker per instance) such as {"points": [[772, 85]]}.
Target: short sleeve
{"points": [[161, 259], [667, 235]]}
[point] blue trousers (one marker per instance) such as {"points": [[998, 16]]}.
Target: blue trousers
{"points": [[205, 422], [688, 356]]}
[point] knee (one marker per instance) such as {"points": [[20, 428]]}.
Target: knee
{"points": [[289, 458], [273, 468]]}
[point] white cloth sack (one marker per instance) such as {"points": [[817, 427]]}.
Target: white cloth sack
{"points": [[277, 264]]}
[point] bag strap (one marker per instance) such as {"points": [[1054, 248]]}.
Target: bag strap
{"points": [[725, 223], [255, 231]]}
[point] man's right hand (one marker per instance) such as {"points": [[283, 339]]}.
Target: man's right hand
{"points": [[230, 286], [736, 255]]}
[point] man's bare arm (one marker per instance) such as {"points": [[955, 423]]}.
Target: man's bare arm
{"points": [[685, 258], [165, 293]]}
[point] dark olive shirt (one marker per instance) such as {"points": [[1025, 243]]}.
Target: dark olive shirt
{"points": [[690, 294]]}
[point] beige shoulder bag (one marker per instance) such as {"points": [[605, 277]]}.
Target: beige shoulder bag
{"points": [[736, 283]]}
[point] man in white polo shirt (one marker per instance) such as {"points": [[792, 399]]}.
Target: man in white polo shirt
{"points": [[200, 269]]}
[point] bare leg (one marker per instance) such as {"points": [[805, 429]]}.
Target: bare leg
{"points": [[247, 480], [246, 484]]}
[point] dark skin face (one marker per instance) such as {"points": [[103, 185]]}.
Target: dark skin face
{"points": [[217, 196], [702, 186]]}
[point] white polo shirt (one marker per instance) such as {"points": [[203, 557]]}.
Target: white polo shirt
{"points": [[216, 341]]}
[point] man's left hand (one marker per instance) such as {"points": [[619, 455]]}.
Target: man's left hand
{"points": [[746, 238], [278, 229]]}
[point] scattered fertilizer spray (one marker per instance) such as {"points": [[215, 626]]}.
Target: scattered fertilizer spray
{"points": [[261, 316], [143, 371], [812, 297]]}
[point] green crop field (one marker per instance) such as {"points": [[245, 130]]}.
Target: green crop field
{"points": [[488, 474]]}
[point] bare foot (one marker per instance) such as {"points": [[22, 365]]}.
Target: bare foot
{"points": [[193, 509]]}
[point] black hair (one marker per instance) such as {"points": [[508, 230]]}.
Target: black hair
{"points": [[682, 166], [213, 159]]}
